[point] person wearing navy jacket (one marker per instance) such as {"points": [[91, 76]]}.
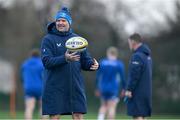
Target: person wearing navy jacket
{"points": [[139, 85], [64, 92], [110, 82]]}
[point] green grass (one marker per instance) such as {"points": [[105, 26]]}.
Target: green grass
{"points": [[20, 115]]}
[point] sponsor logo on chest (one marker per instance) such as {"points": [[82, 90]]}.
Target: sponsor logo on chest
{"points": [[58, 44]]}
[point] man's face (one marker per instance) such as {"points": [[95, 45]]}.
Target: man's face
{"points": [[130, 42], [111, 56], [62, 25]]}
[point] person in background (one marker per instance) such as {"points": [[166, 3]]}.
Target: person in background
{"points": [[110, 83], [139, 85], [31, 70]]}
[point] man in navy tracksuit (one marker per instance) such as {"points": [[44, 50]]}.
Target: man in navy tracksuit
{"points": [[110, 82], [139, 86], [64, 92], [32, 70]]}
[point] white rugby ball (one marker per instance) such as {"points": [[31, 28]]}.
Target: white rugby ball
{"points": [[76, 44]]}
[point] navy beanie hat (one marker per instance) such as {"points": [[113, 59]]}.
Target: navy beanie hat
{"points": [[64, 13]]}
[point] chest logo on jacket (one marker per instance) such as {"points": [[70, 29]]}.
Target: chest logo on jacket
{"points": [[135, 62], [58, 44]]}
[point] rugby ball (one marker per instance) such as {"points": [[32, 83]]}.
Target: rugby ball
{"points": [[76, 44]]}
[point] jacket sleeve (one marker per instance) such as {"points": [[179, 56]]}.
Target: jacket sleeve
{"points": [[122, 74], [41, 70], [86, 60], [48, 59], [135, 71]]}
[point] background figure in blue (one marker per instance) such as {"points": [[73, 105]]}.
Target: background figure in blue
{"points": [[139, 86], [32, 69], [110, 81], [64, 92]]}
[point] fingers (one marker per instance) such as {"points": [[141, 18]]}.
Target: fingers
{"points": [[95, 61], [95, 65], [73, 53], [72, 56], [128, 94], [75, 58]]}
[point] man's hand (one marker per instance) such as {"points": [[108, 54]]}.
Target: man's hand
{"points": [[95, 65], [72, 56], [128, 94]]}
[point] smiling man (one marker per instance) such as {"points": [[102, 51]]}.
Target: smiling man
{"points": [[63, 92]]}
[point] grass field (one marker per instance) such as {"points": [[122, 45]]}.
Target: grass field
{"points": [[90, 116]]}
